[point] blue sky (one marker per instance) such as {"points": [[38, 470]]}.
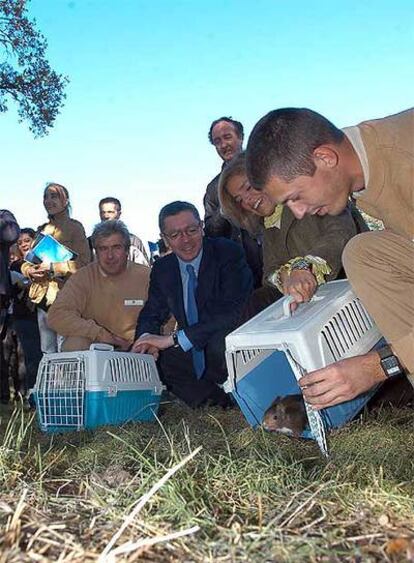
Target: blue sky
{"points": [[148, 76]]}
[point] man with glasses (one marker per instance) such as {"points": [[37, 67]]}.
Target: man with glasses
{"points": [[204, 284]]}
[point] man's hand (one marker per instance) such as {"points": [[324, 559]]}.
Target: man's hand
{"points": [[300, 284], [120, 343], [342, 381], [152, 344]]}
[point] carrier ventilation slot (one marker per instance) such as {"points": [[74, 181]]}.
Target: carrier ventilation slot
{"points": [[58, 374], [129, 370], [246, 356], [346, 328]]}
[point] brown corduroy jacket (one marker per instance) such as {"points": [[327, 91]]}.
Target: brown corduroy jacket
{"points": [[324, 236]]}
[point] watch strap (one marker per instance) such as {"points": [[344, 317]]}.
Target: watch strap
{"points": [[385, 352]]}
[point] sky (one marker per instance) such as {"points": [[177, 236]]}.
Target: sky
{"points": [[147, 77]]}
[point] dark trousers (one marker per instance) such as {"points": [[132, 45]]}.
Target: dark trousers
{"points": [[4, 368], [177, 373], [28, 332]]}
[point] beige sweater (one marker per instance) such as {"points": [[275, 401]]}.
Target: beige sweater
{"points": [[389, 195], [93, 305]]}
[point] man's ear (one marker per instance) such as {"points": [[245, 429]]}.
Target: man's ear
{"points": [[165, 240], [325, 156]]}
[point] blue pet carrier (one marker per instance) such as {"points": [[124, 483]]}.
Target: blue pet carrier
{"points": [[76, 390]]}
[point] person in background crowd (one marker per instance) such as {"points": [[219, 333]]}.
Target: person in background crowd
{"points": [[204, 283], [298, 255], [110, 210], [47, 278], [102, 302], [24, 317], [9, 233], [226, 134], [25, 240], [299, 158]]}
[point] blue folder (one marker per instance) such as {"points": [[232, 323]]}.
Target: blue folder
{"points": [[48, 249]]}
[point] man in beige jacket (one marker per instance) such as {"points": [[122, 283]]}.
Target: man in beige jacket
{"points": [[101, 302], [301, 159]]}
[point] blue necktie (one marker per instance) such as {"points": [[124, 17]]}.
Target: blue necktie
{"points": [[192, 318]]}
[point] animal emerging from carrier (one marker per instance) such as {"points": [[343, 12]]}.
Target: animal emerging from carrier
{"points": [[286, 415]]}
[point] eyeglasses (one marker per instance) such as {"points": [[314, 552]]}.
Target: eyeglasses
{"points": [[190, 231]]}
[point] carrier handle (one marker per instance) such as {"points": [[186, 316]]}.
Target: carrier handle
{"points": [[101, 346], [287, 300]]}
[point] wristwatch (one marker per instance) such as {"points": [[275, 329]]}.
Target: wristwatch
{"points": [[175, 339], [389, 362]]}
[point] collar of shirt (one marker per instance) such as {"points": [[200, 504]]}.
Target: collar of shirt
{"points": [[355, 138], [275, 218], [195, 264]]}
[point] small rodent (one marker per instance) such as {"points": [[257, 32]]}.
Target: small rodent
{"points": [[286, 415]]}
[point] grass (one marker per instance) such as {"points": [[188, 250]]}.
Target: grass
{"points": [[244, 495]]}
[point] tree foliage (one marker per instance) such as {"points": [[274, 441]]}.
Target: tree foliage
{"points": [[25, 74]]}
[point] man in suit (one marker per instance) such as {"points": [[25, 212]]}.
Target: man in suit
{"points": [[204, 284], [301, 159]]}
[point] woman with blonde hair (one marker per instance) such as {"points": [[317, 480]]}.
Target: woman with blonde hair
{"points": [[298, 255], [47, 278]]}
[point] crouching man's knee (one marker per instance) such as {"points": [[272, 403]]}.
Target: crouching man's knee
{"points": [[357, 255]]}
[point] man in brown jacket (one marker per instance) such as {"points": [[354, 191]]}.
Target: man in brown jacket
{"points": [[301, 159], [101, 302]]}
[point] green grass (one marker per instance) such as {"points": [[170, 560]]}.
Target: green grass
{"points": [[255, 496]]}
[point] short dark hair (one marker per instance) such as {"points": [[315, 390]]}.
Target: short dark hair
{"points": [[113, 200], [282, 144], [174, 208], [236, 124], [105, 229], [28, 231]]}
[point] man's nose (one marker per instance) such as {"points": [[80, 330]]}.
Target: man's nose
{"points": [[298, 209]]}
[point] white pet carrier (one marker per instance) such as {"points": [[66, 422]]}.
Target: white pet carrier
{"points": [[87, 389], [268, 354]]}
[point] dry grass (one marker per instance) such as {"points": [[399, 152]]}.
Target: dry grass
{"points": [[236, 494]]}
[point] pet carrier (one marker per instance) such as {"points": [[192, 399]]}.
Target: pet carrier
{"points": [[267, 355], [76, 390]]}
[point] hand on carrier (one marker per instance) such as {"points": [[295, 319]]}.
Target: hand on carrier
{"points": [[152, 344], [120, 342], [301, 285], [342, 381]]}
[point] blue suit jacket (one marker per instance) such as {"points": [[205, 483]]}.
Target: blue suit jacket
{"points": [[224, 285]]}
